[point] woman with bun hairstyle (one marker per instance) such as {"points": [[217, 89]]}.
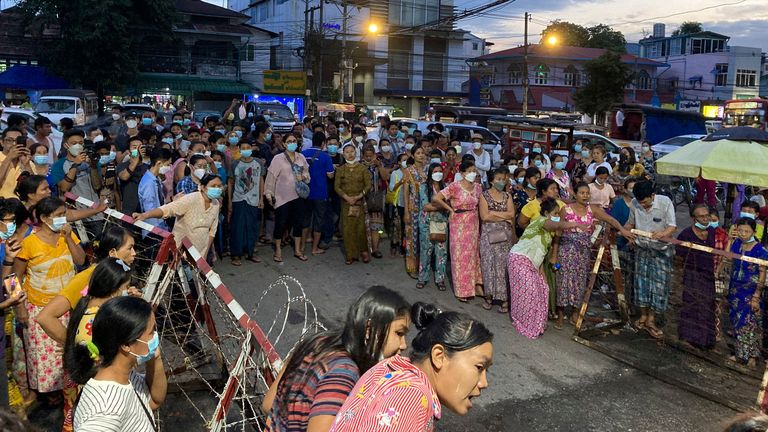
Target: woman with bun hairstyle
{"points": [[450, 357], [528, 289], [323, 369]]}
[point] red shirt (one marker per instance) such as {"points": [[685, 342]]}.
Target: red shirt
{"points": [[393, 396]]}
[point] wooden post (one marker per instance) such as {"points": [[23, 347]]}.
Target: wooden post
{"points": [[590, 285], [617, 276]]}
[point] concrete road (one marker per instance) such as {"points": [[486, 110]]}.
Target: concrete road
{"points": [[550, 384]]}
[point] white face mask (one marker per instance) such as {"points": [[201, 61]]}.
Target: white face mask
{"points": [[437, 176], [115, 117], [470, 177], [164, 169], [477, 145], [386, 149], [98, 138], [131, 124], [199, 173], [358, 139]]}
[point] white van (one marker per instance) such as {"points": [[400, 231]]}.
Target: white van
{"points": [[82, 106]]}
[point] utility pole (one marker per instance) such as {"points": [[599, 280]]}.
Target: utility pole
{"points": [[343, 81], [526, 81]]}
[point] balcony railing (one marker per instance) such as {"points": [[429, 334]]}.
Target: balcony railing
{"points": [[183, 65]]}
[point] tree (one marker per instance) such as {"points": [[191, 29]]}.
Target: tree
{"points": [[603, 36], [599, 36], [688, 27], [99, 39], [567, 33], [606, 78]]}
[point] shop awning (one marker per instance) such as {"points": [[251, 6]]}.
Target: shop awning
{"points": [[189, 84], [334, 107], [30, 78]]}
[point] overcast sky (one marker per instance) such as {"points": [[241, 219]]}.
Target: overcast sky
{"points": [[745, 21]]}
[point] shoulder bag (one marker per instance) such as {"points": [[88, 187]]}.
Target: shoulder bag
{"points": [[302, 189]]}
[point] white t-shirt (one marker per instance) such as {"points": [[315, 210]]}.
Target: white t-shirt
{"points": [[619, 118], [594, 166], [106, 406]]}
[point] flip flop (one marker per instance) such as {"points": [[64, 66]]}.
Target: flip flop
{"points": [[441, 286], [318, 253], [655, 333], [300, 257], [487, 306], [277, 258], [237, 262], [254, 259]]}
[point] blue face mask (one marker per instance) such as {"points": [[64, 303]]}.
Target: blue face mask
{"points": [[520, 180], [134, 153], [234, 140], [435, 160], [222, 131], [554, 218], [168, 140], [186, 122], [104, 159], [400, 135], [246, 153], [267, 137], [576, 148], [751, 240], [333, 149], [747, 215], [214, 192], [222, 147], [239, 133], [40, 159], [538, 163], [531, 187], [559, 165], [152, 348], [702, 226], [714, 224], [10, 228], [585, 153], [112, 156], [292, 147], [536, 149], [178, 122], [146, 121]]}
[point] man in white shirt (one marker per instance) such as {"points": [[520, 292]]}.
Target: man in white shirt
{"points": [[43, 131], [482, 158], [620, 123]]}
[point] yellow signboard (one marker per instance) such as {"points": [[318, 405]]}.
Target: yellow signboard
{"points": [[285, 82]]}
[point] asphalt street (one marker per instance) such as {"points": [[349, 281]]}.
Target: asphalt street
{"points": [[550, 384]]}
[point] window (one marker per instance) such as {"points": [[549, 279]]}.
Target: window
{"points": [[407, 13], [572, 76], [721, 74], [493, 76], [263, 11], [745, 78], [541, 75], [696, 46], [643, 81], [474, 46], [675, 46], [515, 74], [250, 52]]}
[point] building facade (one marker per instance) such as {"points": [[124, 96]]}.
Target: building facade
{"points": [[704, 69], [415, 58], [555, 72]]}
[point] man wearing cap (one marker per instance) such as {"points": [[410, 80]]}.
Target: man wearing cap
{"points": [[482, 158]]}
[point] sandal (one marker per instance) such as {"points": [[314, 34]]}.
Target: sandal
{"points": [[639, 325], [487, 305], [236, 262], [254, 259], [377, 254], [420, 285], [300, 257], [463, 299], [277, 258], [440, 286], [503, 309], [348, 262], [655, 332]]}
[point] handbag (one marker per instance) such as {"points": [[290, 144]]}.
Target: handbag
{"points": [[437, 231], [498, 235], [302, 189]]}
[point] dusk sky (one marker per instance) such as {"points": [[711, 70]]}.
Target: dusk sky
{"points": [[745, 21]]}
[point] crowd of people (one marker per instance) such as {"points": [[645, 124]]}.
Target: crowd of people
{"points": [[515, 234]]}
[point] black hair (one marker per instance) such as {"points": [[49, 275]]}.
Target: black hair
{"points": [[207, 178], [747, 221], [103, 145], [111, 238], [10, 421], [451, 149], [748, 422], [362, 337], [15, 120], [146, 134], [465, 165], [260, 128], [518, 171], [455, 331], [67, 123], [628, 180], [698, 206], [440, 184], [542, 185], [120, 321], [28, 185], [41, 121], [72, 132], [503, 170], [159, 154], [713, 211], [531, 172], [601, 170], [642, 190], [11, 129], [436, 152], [468, 157], [47, 206], [15, 207], [195, 159], [215, 136], [548, 205], [751, 205], [318, 138], [580, 185]]}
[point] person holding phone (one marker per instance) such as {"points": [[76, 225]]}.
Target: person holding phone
{"points": [[14, 159]]}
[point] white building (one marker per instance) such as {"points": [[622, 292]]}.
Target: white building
{"points": [[406, 64]]}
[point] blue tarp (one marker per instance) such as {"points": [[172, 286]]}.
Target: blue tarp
{"points": [[30, 78]]}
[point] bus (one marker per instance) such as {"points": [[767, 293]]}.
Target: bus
{"points": [[745, 112]]}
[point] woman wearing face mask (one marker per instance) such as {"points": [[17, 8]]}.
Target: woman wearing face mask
{"points": [[579, 170], [115, 395], [197, 214], [322, 370], [697, 309], [45, 265], [115, 242], [598, 160], [574, 251], [497, 212], [602, 193], [451, 164], [352, 181], [433, 244], [646, 158], [38, 164], [396, 205], [284, 172], [529, 291], [198, 165], [628, 164], [464, 225], [537, 149], [374, 207], [560, 176], [744, 293], [415, 176], [447, 368], [545, 188]]}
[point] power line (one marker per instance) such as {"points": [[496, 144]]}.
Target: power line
{"points": [[679, 13]]}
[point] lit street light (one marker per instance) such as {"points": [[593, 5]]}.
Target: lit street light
{"points": [[552, 40], [373, 28]]}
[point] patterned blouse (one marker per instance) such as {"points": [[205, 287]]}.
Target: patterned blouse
{"points": [[394, 395]]}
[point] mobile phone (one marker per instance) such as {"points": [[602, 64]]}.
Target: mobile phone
{"points": [[12, 285], [21, 142]]}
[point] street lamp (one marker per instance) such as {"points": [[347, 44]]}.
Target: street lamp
{"points": [[373, 28], [552, 40]]}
